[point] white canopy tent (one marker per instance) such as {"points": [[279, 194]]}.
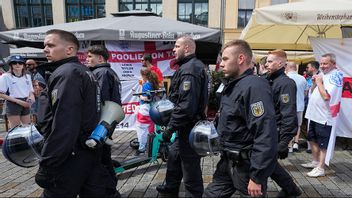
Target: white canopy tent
{"points": [[289, 26]]}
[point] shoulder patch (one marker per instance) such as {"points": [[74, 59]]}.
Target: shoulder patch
{"points": [[186, 85], [285, 98], [257, 109], [53, 97]]}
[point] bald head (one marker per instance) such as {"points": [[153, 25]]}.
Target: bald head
{"points": [[291, 66], [31, 65], [184, 46], [188, 41]]}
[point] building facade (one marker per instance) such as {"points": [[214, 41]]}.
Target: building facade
{"points": [[229, 16]]}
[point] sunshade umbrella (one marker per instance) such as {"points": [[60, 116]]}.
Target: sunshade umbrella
{"points": [[131, 28], [296, 56], [289, 26], [128, 28]]}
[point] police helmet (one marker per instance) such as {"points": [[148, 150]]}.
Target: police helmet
{"points": [[204, 138], [22, 146], [16, 58], [161, 111]]}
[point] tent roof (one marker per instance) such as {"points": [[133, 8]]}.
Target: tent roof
{"points": [[308, 12], [28, 52], [131, 28], [289, 26]]}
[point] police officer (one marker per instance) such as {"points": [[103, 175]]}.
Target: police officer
{"points": [[68, 113], [189, 93], [110, 90], [284, 96], [245, 126]]}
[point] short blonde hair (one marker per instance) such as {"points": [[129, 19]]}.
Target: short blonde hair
{"points": [[279, 53]]}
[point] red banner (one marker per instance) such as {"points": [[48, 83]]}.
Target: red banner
{"points": [[347, 87]]}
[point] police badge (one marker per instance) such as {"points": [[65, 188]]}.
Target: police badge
{"points": [[53, 97], [285, 98], [186, 85], [257, 109]]}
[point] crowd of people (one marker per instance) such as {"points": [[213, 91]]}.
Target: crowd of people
{"points": [[65, 105]]}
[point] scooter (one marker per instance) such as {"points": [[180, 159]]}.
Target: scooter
{"points": [[156, 147]]}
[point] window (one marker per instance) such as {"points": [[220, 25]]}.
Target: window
{"points": [[193, 11], [245, 9], [145, 5], [274, 2], [77, 10], [33, 13]]}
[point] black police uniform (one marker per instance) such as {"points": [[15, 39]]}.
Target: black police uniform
{"points": [[284, 96], [68, 113], [109, 82], [248, 136], [110, 90], [189, 93]]}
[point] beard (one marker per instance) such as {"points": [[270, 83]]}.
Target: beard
{"points": [[180, 57]]}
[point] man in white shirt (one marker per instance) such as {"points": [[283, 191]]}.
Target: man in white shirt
{"points": [[312, 69], [322, 107], [301, 85]]}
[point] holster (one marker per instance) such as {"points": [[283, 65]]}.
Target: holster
{"points": [[236, 157]]}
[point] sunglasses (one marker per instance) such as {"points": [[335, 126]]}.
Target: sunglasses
{"points": [[15, 62]]}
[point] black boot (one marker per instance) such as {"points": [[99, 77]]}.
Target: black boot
{"points": [[295, 193], [163, 189]]}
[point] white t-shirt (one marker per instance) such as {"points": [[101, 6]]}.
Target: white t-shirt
{"points": [[18, 87], [318, 109], [301, 85]]}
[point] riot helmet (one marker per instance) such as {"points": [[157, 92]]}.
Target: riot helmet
{"points": [[161, 111], [22, 146], [204, 138]]}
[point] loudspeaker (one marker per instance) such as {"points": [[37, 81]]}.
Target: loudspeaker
{"points": [[111, 111], [111, 115]]}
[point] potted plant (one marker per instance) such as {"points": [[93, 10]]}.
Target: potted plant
{"points": [[213, 103]]}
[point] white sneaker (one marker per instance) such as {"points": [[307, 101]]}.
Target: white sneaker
{"points": [[290, 149], [295, 147], [312, 164], [316, 172]]}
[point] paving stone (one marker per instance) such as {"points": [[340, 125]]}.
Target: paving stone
{"points": [[36, 193], [323, 191], [337, 193], [142, 181], [310, 191]]}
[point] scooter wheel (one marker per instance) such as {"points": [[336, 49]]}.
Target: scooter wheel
{"points": [[134, 143]]}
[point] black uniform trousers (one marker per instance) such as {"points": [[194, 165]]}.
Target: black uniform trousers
{"points": [[228, 178], [107, 162], [184, 162], [283, 179], [81, 174]]}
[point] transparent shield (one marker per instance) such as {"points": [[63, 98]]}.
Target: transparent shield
{"points": [[22, 146]]}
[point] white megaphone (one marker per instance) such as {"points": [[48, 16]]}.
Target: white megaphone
{"points": [[111, 114]]}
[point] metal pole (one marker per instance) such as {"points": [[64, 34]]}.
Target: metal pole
{"points": [[222, 20]]}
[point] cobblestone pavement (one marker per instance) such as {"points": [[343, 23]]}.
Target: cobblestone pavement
{"points": [[141, 181]]}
